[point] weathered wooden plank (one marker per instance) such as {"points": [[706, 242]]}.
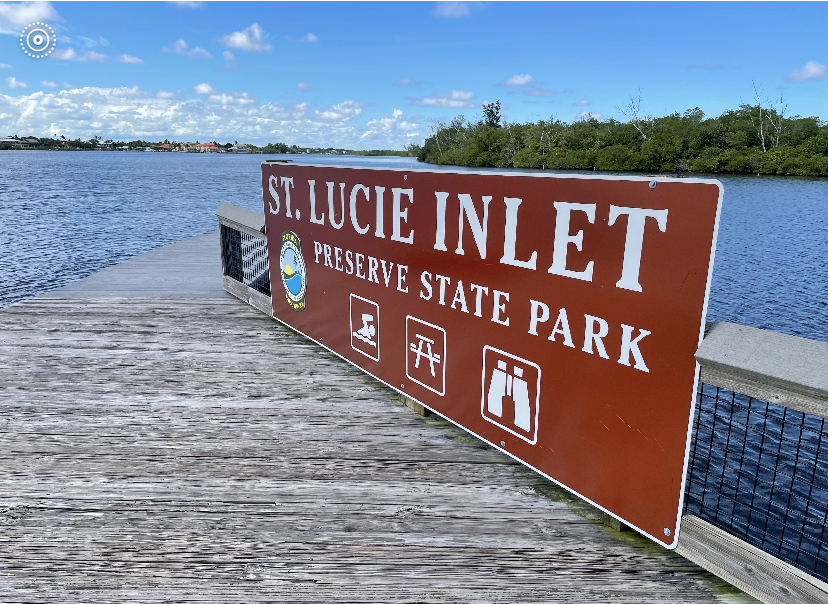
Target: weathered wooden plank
{"points": [[195, 450]]}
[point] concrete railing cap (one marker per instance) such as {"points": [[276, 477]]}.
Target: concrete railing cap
{"points": [[246, 218], [769, 361]]}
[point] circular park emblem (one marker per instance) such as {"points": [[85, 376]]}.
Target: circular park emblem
{"points": [[292, 265]]}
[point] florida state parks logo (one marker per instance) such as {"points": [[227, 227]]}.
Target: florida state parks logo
{"points": [[292, 265]]}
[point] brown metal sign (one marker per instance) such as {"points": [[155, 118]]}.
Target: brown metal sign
{"points": [[555, 317]]}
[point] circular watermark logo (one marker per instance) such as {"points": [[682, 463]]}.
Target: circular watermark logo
{"points": [[38, 40]]}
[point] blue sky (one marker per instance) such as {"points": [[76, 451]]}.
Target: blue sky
{"points": [[379, 75]]}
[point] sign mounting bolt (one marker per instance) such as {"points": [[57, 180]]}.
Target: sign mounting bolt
{"points": [[652, 184]]}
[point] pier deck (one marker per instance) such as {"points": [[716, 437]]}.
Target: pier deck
{"points": [[161, 441]]}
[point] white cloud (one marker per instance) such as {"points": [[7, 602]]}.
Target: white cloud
{"points": [[229, 60], [233, 98], [588, 115], [390, 126], [45, 84], [164, 94], [538, 92], [218, 98], [452, 100], [250, 39], [69, 54], [130, 113], [5, 66], [526, 85], [304, 86], [15, 84], [66, 85], [14, 16], [812, 71], [581, 103], [343, 112], [452, 10], [93, 42], [521, 79], [130, 60], [309, 37], [180, 48], [204, 88], [407, 82]]}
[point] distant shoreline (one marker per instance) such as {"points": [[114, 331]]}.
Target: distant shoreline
{"points": [[345, 154], [33, 143]]}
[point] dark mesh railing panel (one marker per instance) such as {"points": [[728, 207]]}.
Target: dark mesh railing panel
{"points": [[760, 472], [245, 259]]}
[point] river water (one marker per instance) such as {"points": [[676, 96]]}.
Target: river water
{"points": [[66, 215]]}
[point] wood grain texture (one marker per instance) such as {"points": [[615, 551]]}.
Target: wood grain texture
{"points": [[767, 578], [194, 450]]}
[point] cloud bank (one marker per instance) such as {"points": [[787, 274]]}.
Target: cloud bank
{"points": [[130, 113]]}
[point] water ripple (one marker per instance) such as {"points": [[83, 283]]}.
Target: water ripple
{"points": [[66, 215]]}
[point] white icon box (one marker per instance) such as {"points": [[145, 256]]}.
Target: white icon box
{"points": [[511, 393], [425, 354], [365, 327]]}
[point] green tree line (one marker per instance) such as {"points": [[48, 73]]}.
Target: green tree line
{"points": [[751, 139]]}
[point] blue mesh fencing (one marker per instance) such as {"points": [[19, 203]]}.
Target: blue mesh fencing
{"points": [[760, 472]]}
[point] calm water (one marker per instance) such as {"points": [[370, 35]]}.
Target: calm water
{"points": [[64, 216]]}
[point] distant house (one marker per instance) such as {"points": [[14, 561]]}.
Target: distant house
{"points": [[102, 145], [20, 143], [165, 147], [208, 148], [240, 148]]}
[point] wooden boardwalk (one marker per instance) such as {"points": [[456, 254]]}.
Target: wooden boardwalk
{"points": [[161, 441]]}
